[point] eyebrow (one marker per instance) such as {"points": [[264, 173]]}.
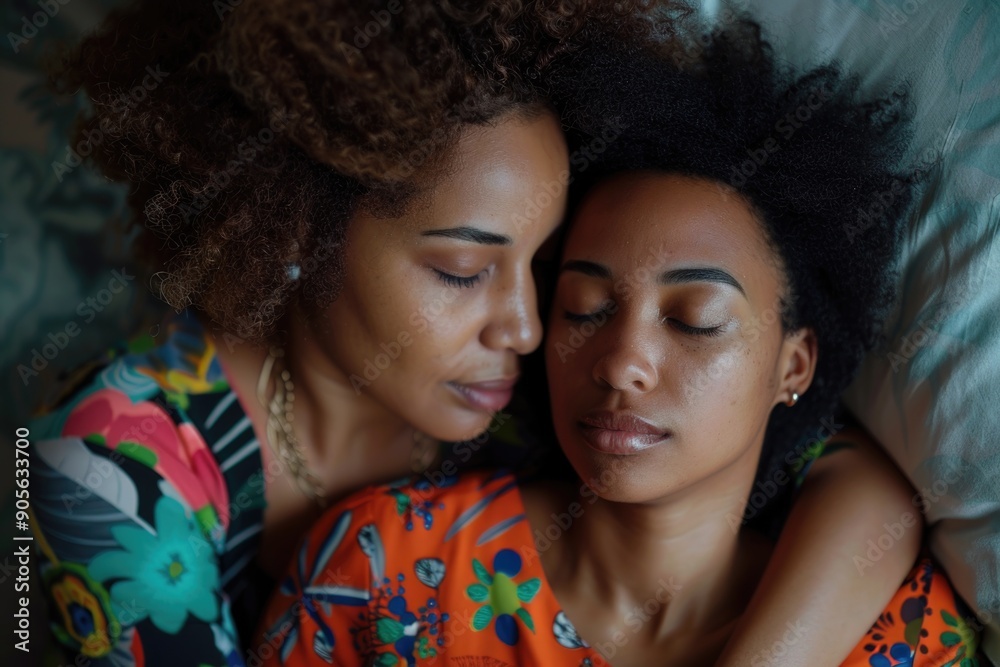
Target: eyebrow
{"points": [[592, 269], [673, 276], [700, 275], [470, 234]]}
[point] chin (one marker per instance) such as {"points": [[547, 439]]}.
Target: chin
{"points": [[451, 427], [614, 491], [617, 479]]}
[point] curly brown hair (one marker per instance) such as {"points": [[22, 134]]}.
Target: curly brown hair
{"points": [[268, 123]]}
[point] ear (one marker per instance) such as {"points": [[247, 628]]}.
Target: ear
{"points": [[796, 364]]}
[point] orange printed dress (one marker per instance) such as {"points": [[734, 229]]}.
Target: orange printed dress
{"points": [[448, 573]]}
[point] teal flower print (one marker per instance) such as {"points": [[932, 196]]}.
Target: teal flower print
{"points": [[163, 576], [503, 596]]}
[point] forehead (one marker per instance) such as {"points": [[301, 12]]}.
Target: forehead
{"points": [[661, 219], [500, 174]]}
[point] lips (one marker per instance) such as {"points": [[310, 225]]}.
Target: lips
{"points": [[488, 396], [621, 433]]}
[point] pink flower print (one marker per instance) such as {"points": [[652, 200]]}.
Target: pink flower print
{"points": [[181, 455]]}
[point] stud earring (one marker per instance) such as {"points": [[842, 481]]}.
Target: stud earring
{"points": [[794, 399]]}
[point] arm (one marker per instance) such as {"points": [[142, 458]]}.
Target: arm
{"points": [[821, 592]]}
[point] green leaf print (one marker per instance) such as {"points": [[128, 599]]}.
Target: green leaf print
{"points": [[388, 629], [482, 618], [523, 614], [482, 574], [526, 591], [477, 592]]}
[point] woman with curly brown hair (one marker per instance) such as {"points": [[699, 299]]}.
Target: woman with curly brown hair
{"points": [[342, 201], [309, 356]]}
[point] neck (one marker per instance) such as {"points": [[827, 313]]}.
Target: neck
{"points": [[339, 428], [683, 551]]}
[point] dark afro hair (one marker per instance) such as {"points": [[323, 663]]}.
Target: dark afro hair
{"points": [[816, 161], [264, 125]]}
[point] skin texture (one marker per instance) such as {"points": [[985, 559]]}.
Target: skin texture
{"points": [[469, 307], [712, 393], [799, 618], [360, 431], [660, 514]]}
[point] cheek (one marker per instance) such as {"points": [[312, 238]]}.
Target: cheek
{"points": [[373, 325], [443, 325], [568, 363], [722, 377], [727, 394]]}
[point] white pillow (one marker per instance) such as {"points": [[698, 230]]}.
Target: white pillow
{"points": [[932, 396]]}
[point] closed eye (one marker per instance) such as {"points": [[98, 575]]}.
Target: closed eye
{"points": [[458, 281], [695, 331], [604, 310], [584, 317]]}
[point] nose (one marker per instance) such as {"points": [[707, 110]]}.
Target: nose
{"points": [[628, 363], [515, 325]]}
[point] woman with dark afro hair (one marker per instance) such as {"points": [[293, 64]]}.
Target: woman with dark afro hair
{"points": [[705, 319], [342, 202]]}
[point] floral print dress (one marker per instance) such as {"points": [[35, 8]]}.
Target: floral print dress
{"points": [[147, 496], [448, 573], [148, 500]]}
